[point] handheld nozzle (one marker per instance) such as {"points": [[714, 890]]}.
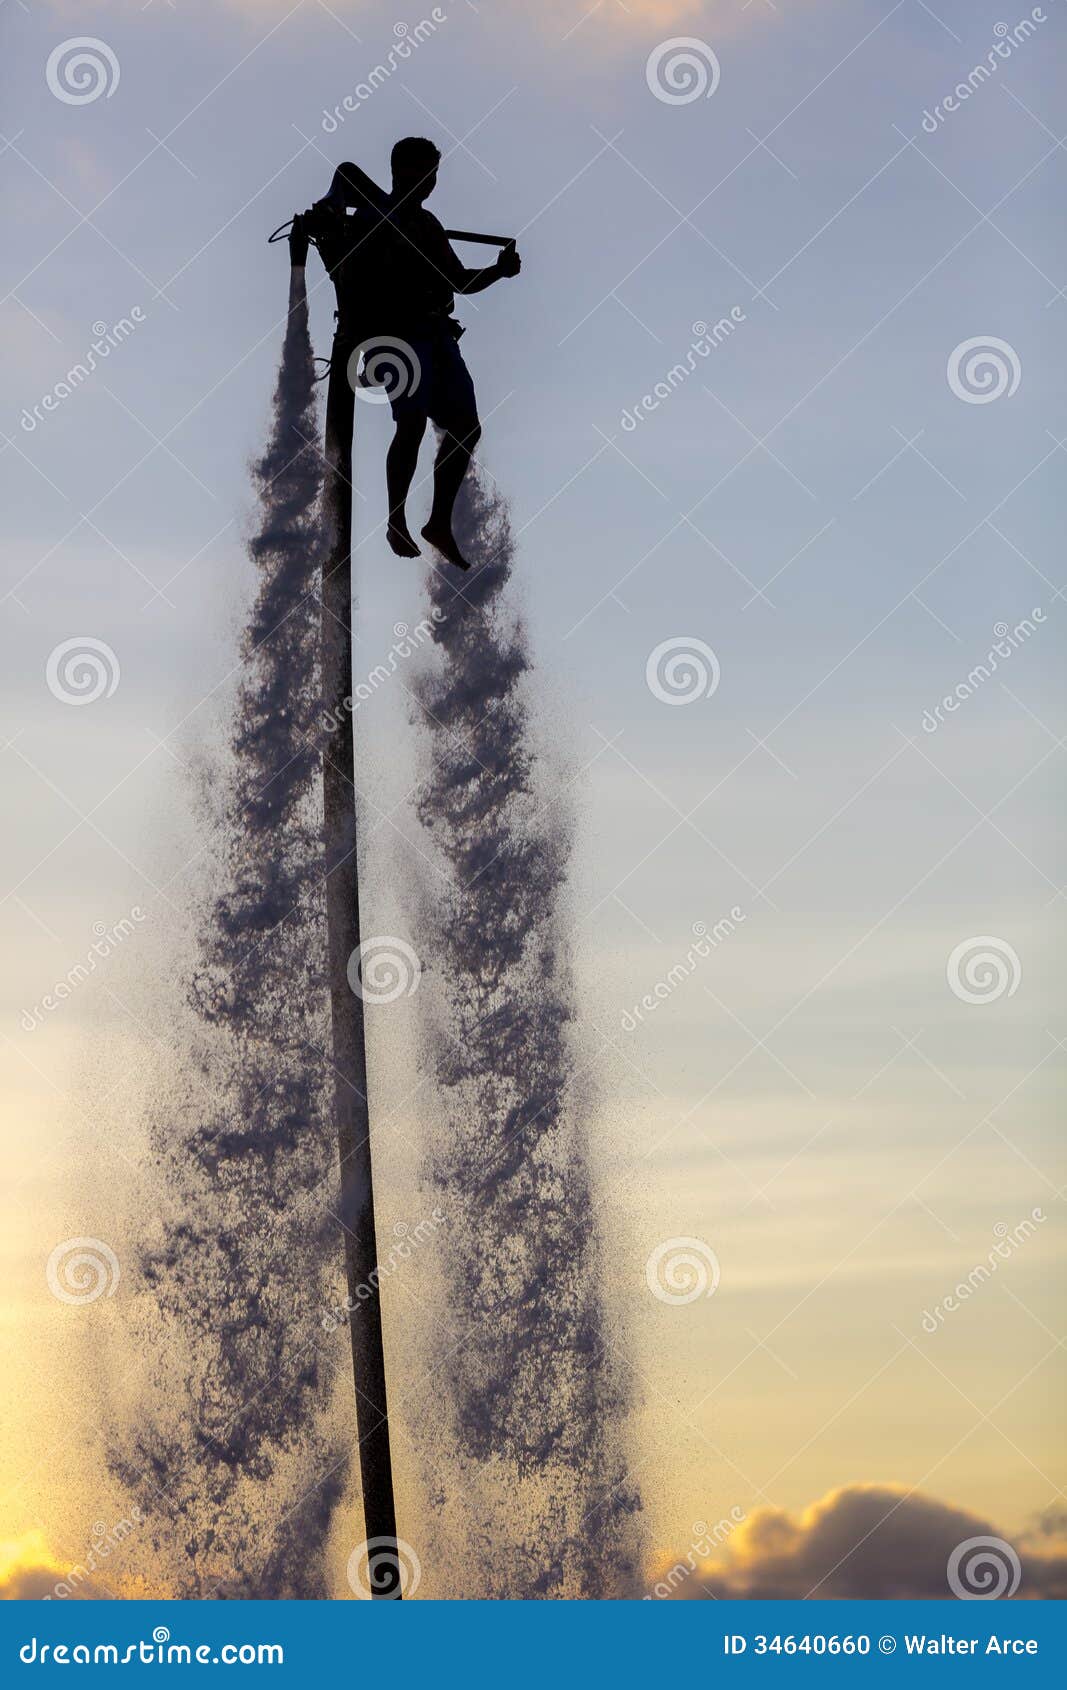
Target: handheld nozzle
{"points": [[298, 243], [480, 240], [304, 228]]}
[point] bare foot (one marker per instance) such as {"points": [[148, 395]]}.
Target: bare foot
{"points": [[400, 540], [444, 541]]}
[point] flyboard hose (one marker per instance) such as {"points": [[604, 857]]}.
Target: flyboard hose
{"points": [[383, 1569]]}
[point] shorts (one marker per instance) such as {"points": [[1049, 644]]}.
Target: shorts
{"points": [[424, 377]]}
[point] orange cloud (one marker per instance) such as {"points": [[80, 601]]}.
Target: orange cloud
{"points": [[863, 1540], [29, 1570]]}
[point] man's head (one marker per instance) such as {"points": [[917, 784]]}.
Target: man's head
{"points": [[414, 162]]}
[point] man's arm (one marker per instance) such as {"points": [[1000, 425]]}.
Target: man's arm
{"points": [[476, 281], [352, 186]]}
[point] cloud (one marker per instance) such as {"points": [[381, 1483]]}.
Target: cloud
{"points": [[29, 1571], [864, 1540], [635, 13], [576, 15]]}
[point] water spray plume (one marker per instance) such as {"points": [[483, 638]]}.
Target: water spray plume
{"points": [[536, 1404], [230, 1449]]}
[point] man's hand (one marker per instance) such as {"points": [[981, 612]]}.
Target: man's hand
{"points": [[509, 263]]}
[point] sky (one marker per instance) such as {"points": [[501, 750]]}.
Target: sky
{"points": [[734, 404]]}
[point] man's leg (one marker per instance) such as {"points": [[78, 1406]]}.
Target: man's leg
{"points": [[400, 462], [456, 414]]}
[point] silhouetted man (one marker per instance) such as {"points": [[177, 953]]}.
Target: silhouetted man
{"points": [[406, 278]]}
